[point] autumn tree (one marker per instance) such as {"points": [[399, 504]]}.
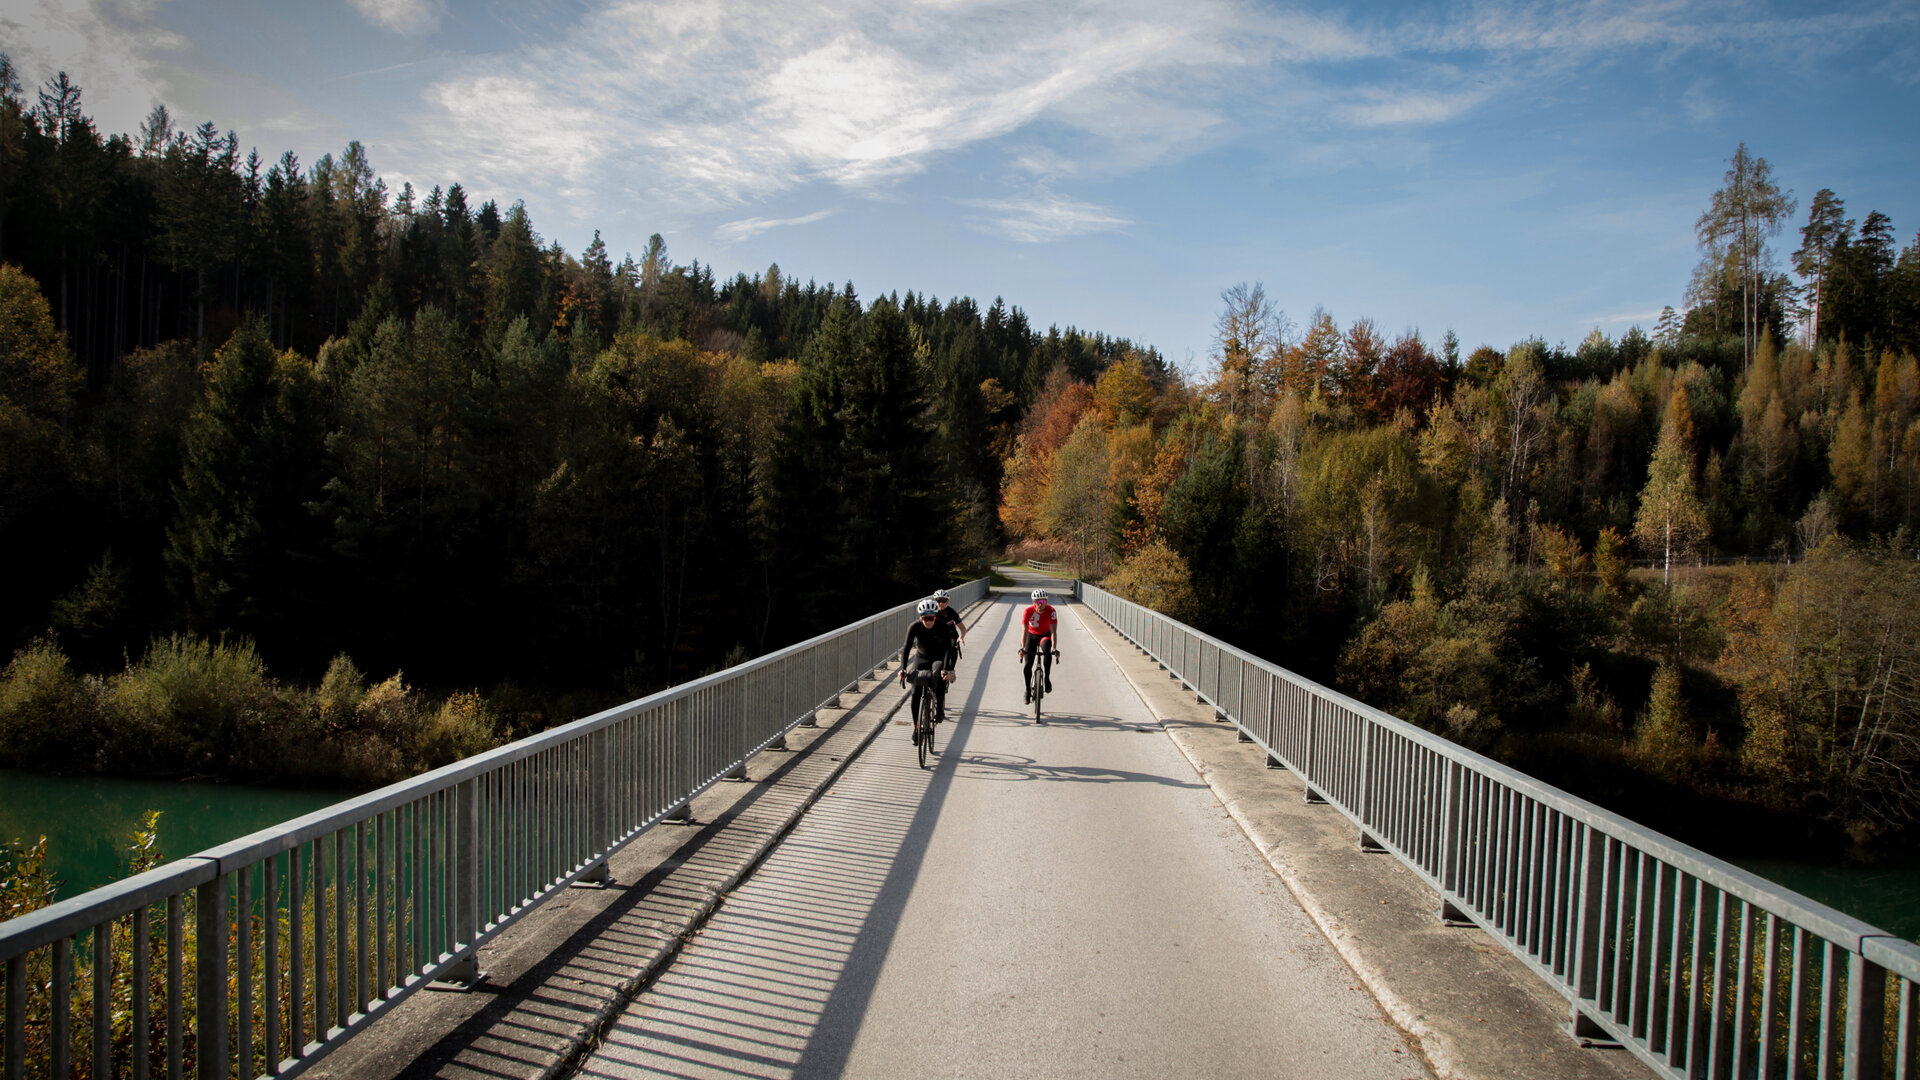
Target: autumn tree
{"points": [[1248, 337], [1671, 518]]}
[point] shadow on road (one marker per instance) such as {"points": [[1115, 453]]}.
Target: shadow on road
{"points": [[1011, 767], [777, 982]]}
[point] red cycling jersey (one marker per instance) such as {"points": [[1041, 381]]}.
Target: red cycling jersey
{"points": [[1038, 619]]}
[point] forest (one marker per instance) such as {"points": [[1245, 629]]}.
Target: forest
{"points": [[1674, 573], [322, 480], [267, 428]]}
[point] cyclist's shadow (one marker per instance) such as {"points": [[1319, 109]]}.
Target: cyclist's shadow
{"points": [[830, 1042]]}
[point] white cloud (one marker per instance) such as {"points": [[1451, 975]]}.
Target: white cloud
{"points": [[696, 106], [116, 54], [747, 228], [1388, 108], [715, 103], [511, 126], [1043, 216], [402, 16]]}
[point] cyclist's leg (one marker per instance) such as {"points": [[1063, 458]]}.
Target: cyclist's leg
{"points": [[1026, 665]]}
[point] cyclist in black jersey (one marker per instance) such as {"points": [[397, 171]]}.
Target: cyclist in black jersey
{"points": [[929, 643], [949, 616]]}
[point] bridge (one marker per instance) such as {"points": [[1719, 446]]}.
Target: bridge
{"points": [[1202, 864]]}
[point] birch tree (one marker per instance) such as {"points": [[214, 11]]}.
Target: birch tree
{"points": [[1671, 519]]}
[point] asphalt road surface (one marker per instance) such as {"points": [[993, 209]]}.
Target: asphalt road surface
{"points": [[1066, 900]]}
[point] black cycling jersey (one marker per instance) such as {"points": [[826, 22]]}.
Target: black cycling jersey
{"points": [[949, 617], [934, 643]]}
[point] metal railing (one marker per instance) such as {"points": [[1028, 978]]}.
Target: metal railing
{"points": [[270, 951], [1699, 967]]}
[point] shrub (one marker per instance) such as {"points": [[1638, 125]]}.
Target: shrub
{"points": [[461, 727], [197, 706], [341, 690], [49, 716]]}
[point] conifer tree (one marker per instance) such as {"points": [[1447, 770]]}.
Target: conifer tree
{"points": [[240, 517]]}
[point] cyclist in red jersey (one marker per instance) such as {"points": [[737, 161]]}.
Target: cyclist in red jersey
{"points": [[1037, 621]]}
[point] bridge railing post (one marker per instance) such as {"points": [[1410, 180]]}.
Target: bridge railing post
{"points": [[1363, 808], [466, 884], [1312, 764], [210, 978]]}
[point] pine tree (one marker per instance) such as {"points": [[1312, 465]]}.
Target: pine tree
{"points": [[240, 515], [1826, 220], [1733, 234]]}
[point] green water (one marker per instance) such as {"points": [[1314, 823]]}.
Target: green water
{"points": [[88, 821], [1884, 891]]}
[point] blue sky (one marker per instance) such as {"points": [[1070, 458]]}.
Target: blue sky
{"points": [[1501, 169]]}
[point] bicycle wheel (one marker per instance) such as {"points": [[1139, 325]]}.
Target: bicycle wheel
{"points": [[926, 732], [1039, 691]]}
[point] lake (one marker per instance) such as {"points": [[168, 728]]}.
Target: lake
{"points": [[89, 820]]}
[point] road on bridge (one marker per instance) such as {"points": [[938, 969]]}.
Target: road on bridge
{"points": [[1066, 900]]}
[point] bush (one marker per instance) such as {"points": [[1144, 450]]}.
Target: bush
{"points": [[49, 716], [341, 690], [462, 727], [193, 707], [196, 706]]}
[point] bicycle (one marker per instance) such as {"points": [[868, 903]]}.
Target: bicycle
{"points": [[1043, 659], [925, 699]]}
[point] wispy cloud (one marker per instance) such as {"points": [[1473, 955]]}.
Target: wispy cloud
{"points": [[402, 16], [1044, 216], [698, 106], [1378, 107], [1699, 105], [707, 104], [349, 75], [115, 53], [747, 228]]}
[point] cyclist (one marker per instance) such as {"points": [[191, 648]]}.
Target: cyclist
{"points": [[929, 643], [950, 616], [1036, 622]]}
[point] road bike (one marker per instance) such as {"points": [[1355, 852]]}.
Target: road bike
{"points": [[1043, 658], [925, 704]]}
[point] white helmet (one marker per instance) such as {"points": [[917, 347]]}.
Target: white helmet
{"points": [[928, 607], [940, 594], [1039, 596]]}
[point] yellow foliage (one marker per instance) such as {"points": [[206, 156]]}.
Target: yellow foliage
{"points": [[1157, 577]]}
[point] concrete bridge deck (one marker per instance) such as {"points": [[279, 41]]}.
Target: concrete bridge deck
{"points": [[1123, 892]]}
